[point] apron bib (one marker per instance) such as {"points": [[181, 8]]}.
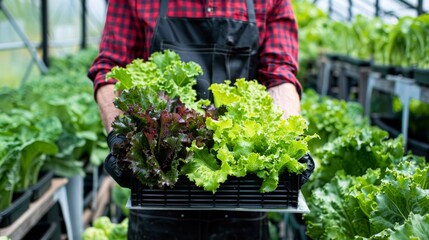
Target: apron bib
{"points": [[226, 49]]}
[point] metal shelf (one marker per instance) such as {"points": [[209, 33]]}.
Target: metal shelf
{"points": [[335, 8], [405, 88]]}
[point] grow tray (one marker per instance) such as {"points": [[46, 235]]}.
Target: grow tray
{"points": [[422, 76], [42, 185], [392, 125], [19, 205], [235, 194], [355, 61], [384, 69]]}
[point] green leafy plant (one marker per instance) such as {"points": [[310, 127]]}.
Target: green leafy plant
{"points": [[27, 140], [65, 94], [9, 169], [355, 152], [161, 117], [329, 118], [157, 135], [251, 137], [103, 229], [163, 72], [374, 205], [120, 197]]}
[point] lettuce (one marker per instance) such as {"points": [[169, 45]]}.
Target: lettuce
{"points": [[355, 152], [251, 137], [376, 205], [26, 141], [329, 118], [158, 132], [161, 117], [163, 72]]}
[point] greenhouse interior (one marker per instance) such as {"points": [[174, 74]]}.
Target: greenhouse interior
{"points": [[162, 161]]}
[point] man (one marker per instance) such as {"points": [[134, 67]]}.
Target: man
{"points": [[254, 39]]}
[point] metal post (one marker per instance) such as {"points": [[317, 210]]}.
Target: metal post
{"points": [[83, 40], [330, 8], [74, 190], [45, 20], [420, 7], [350, 10], [23, 37], [377, 8]]}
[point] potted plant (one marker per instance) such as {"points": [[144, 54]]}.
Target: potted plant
{"points": [[421, 72]]}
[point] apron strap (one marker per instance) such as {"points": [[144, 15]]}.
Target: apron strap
{"points": [[163, 9], [251, 11]]}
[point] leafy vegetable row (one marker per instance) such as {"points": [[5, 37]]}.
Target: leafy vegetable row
{"points": [[49, 123], [363, 187], [404, 43]]}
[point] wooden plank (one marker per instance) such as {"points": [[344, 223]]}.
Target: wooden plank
{"points": [[87, 218], [102, 200], [34, 213], [103, 196]]}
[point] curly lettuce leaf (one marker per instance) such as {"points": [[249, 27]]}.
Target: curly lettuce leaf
{"points": [[399, 197], [336, 212], [162, 72], [415, 227], [329, 118], [251, 137], [355, 153], [371, 206], [158, 131]]}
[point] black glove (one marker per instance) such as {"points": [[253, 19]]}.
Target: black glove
{"points": [[110, 163], [310, 168]]}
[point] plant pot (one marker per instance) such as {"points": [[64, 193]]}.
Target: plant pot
{"points": [[421, 76], [355, 61], [42, 185], [333, 56], [20, 203], [407, 72], [383, 69]]}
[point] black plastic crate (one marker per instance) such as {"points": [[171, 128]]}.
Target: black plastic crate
{"points": [[422, 76], [234, 193], [42, 186], [20, 203]]}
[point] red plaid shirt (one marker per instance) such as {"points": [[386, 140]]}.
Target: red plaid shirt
{"points": [[130, 25]]}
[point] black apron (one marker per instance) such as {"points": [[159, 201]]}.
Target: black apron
{"points": [[226, 49]]}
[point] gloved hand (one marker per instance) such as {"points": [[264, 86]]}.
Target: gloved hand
{"points": [[310, 168], [110, 163]]}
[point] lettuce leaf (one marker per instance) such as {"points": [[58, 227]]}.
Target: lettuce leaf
{"points": [[158, 131], [162, 72], [355, 153], [415, 227], [377, 205], [399, 196]]}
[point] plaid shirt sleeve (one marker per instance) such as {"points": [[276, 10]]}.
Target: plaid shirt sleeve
{"points": [[122, 41], [279, 51]]}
